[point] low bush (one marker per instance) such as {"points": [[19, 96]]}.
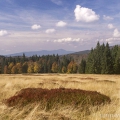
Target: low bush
{"points": [[51, 98]]}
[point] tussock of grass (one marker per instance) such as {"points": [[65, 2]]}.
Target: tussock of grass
{"points": [[51, 98]]}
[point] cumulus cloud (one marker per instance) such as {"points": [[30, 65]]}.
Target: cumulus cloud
{"points": [[35, 27], [61, 24], [107, 17], [69, 39], [50, 30], [110, 26], [85, 14], [3, 32], [116, 33], [57, 2]]}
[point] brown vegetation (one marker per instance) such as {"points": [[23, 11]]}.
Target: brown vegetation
{"points": [[50, 98]]}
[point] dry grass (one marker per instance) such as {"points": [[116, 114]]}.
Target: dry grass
{"points": [[108, 85]]}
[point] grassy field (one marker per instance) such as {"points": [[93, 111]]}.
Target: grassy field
{"points": [[108, 85]]}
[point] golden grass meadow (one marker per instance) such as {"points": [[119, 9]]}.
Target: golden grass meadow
{"points": [[108, 85]]}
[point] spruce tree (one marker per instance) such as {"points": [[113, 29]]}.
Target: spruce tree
{"points": [[0, 68], [98, 55], [117, 61], [102, 59], [82, 66], [90, 68], [108, 63]]}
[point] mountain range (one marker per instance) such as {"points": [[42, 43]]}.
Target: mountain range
{"points": [[42, 52]]}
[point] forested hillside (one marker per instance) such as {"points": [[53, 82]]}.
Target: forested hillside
{"points": [[100, 60], [38, 64]]}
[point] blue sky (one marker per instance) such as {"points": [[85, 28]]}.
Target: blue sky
{"points": [[75, 25]]}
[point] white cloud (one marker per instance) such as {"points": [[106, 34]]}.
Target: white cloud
{"points": [[58, 2], [61, 24], [35, 27], [109, 40], [116, 33], [112, 40], [50, 30], [107, 17], [69, 39], [85, 14], [110, 26], [3, 32]]}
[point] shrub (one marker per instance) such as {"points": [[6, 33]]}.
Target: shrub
{"points": [[52, 98]]}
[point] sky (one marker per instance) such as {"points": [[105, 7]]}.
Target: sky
{"points": [[73, 25]]}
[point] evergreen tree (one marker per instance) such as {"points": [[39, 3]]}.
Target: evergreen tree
{"points": [[49, 65], [90, 68], [116, 56], [45, 67], [107, 63], [0, 68], [23, 58], [82, 66], [25, 67], [60, 65], [102, 58], [65, 61], [98, 56]]}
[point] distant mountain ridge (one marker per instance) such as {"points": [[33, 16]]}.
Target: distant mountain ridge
{"points": [[78, 56], [43, 52], [81, 52]]}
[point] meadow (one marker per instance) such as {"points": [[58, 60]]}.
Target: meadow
{"points": [[108, 85]]}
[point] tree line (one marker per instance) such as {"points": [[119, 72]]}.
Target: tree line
{"points": [[37, 64], [101, 60]]}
